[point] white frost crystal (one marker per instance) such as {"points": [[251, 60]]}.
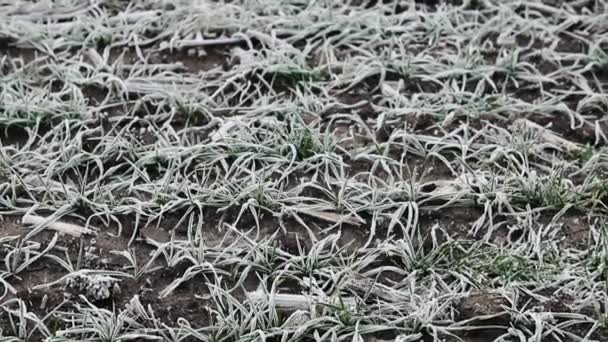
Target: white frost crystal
{"points": [[94, 287]]}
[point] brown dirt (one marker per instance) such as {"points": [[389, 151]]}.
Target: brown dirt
{"points": [[26, 55], [575, 232], [193, 61], [484, 304]]}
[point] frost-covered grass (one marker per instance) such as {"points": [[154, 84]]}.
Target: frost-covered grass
{"points": [[459, 146]]}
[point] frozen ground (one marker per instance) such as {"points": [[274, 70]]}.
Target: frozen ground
{"points": [[290, 170]]}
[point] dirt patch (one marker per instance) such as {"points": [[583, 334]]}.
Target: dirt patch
{"points": [[457, 222], [484, 309], [194, 60], [584, 134], [9, 226], [576, 232], [25, 55]]}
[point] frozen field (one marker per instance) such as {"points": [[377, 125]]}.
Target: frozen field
{"points": [[291, 170]]}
